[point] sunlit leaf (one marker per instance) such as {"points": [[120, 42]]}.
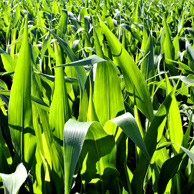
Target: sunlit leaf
{"points": [[20, 108], [12, 182]]}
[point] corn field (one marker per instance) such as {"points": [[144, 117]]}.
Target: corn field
{"points": [[96, 96]]}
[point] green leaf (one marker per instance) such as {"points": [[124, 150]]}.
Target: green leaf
{"points": [[8, 62], [74, 135], [98, 159], [108, 99], [169, 169], [91, 116], [84, 102], [145, 38], [71, 80], [16, 15], [183, 67], [98, 154], [41, 103], [5, 92], [20, 108], [59, 110], [134, 80], [128, 124], [62, 24], [12, 182], [135, 16], [3, 85], [167, 48], [176, 47], [88, 61], [174, 120], [147, 66], [153, 135], [45, 45], [189, 153], [33, 98]]}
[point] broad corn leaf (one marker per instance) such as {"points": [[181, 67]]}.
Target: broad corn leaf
{"points": [[128, 124], [74, 135], [59, 110], [108, 99], [20, 108], [134, 80], [99, 159], [95, 151]]}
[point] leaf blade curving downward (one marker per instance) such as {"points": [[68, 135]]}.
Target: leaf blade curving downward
{"points": [[12, 182]]}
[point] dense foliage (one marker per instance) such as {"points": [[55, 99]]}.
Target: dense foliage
{"points": [[96, 96]]}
